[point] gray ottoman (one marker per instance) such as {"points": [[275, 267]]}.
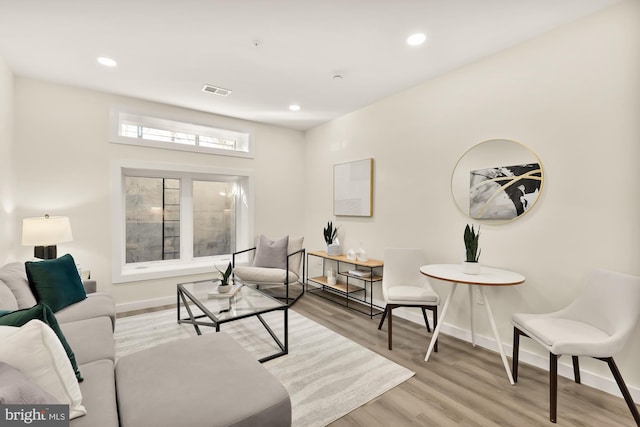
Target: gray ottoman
{"points": [[207, 380]]}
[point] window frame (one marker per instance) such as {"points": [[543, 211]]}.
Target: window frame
{"points": [[187, 263], [118, 114]]}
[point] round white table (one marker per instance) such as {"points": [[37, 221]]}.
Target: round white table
{"points": [[488, 276]]}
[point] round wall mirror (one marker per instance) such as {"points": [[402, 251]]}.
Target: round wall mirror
{"points": [[497, 181]]}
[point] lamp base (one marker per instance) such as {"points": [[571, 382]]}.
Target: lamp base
{"points": [[45, 252]]}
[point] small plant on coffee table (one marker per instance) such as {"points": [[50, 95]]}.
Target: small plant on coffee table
{"points": [[224, 279]]}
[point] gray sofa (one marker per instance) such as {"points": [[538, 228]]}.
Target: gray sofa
{"points": [[207, 380]]}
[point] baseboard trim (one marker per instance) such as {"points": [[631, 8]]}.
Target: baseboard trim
{"points": [[588, 378], [144, 304]]}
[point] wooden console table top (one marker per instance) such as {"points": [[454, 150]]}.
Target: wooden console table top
{"points": [[371, 263]]}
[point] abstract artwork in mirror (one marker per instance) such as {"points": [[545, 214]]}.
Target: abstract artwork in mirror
{"points": [[497, 181], [503, 192]]}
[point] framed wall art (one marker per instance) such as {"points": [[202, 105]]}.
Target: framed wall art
{"points": [[353, 188]]}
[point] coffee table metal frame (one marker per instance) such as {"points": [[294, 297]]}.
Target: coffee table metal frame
{"points": [[184, 297]]}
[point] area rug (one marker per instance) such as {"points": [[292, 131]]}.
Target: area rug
{"points": [[327, 375]]}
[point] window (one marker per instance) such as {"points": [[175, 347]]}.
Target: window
{"points": [[147, 131], [171, 220]]}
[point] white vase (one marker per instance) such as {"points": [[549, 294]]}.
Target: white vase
{"points": [[471, 267], [224, 289], [351, 255], [361, 255], [331, 277], [334, 249]]}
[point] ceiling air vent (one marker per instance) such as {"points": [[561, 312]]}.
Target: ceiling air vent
{"points": [[216, 90]]}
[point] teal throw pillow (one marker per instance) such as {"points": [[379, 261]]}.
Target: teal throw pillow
{"points": [[55, 282], [43, 313]]}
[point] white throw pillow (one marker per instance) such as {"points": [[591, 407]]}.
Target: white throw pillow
{"points": [[35, 350]]}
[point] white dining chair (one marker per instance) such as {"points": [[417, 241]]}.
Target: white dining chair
{"points": [[596, 324], [404, 286]]}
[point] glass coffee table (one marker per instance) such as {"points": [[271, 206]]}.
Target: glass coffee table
{"points": [[214, 309]]}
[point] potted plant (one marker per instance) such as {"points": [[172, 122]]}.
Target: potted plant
{"points": [[471, 238], [331, 239], [225, 282]]}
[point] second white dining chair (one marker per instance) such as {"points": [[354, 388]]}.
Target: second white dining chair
{"points": [[404, 286]]}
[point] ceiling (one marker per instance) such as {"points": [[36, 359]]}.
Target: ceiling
{"points": [[270, 53]]}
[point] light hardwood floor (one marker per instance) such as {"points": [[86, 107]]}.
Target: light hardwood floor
{"points": [[461, 385]]}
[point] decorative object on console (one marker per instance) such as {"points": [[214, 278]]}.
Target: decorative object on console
{"points": [[44, 233], [359, 273], [331, 277], [225, 283], [361, 254], [331, 239], [471, 239], [351, 255]]}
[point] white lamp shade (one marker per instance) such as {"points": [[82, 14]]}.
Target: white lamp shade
{"points": [[46, 231]]}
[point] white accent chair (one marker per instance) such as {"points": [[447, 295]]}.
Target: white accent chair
{"points": [[265, 276], [596, 324], [404, 286]]}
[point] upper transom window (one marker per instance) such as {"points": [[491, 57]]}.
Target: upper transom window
{"points": [[147, 131]]}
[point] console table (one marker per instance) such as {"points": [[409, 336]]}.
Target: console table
{"points": [[488, 276], [355, 288]]}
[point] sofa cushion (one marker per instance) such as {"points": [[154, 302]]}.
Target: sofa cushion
{"points": [[35, 350], [99, 395], [91, 339], [17, 389], [8, 301], [271, 253], [43, 313], [55, 282], [95, 305], [237, 389], [15, 277]]}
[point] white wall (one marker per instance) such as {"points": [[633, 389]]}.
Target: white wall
{"points": [[62, 163], [573, 96], [7, 205]]}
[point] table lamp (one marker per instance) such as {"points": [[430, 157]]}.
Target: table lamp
{"points": [[45, 233]]}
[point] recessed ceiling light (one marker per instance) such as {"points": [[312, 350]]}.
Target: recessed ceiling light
{"points": [[107, 62], [294, 107], [416, 39]]}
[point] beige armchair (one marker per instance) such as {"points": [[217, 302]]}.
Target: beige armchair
{"points": [[273, 264]]}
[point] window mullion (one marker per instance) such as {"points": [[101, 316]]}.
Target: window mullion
{"points": [[186, 217]]}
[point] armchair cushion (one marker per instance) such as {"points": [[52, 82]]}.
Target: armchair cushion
{"points": [[262, 275], [271, 253]]}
